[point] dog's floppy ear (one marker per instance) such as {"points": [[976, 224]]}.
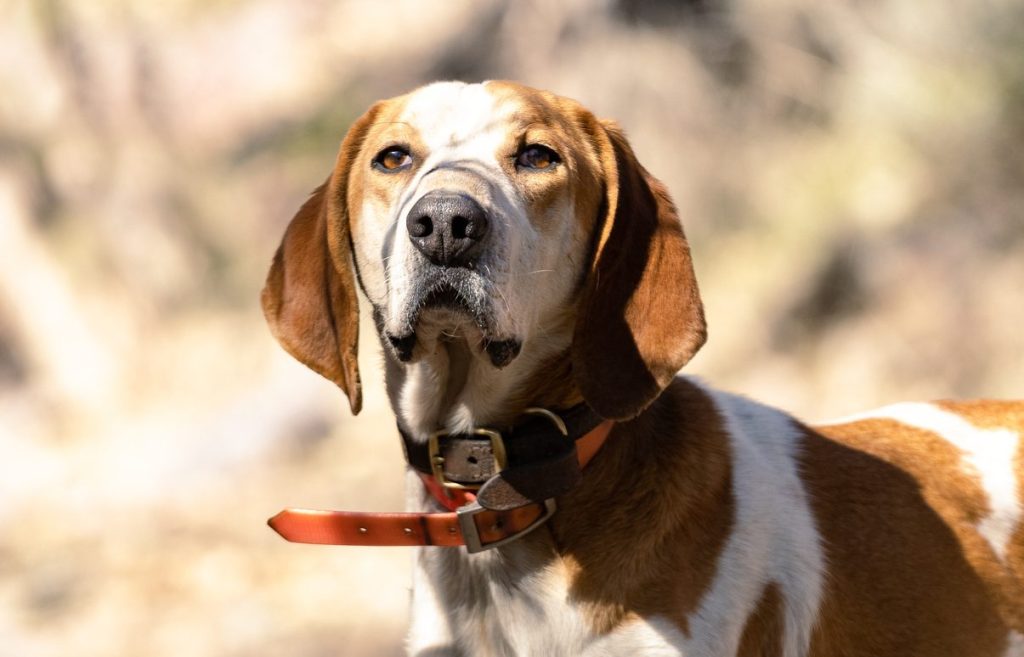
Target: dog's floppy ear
{"points": [[640, 318], [309, 299]]}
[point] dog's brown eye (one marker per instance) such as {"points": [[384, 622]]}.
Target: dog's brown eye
{"points": [[392, 158], [538, 157]]}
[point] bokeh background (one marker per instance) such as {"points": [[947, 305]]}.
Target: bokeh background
{"points": [[850, 174]]}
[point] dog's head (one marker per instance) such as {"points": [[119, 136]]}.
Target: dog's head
{"points": [[502, 216]]}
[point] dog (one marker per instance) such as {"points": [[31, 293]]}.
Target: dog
{"points": [[532, 289]]}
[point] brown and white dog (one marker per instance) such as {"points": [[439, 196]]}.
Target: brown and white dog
{"points": [[517, 255]]}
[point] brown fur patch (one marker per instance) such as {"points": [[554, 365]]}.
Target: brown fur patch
{"points": [[309, 299], [952, 489], [381, 191], [641, 317], [562, 125], [903, 577], [1007, 577], [988, 414], [643, 533]]}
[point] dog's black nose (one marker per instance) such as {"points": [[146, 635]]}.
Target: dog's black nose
{"points": [[447, 227]]}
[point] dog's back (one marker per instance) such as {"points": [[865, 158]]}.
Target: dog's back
{"points": [[918, 505]]}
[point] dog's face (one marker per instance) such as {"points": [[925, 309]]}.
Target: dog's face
{"points": [[506, 219], [471, 209]]}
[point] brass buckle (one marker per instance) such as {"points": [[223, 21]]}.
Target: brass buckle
{"points": [[471, 534], [437, 461]]}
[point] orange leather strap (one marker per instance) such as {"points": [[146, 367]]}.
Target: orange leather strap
{"points": [[588, 446], [410, 529], [485, 527], [354, 528]]}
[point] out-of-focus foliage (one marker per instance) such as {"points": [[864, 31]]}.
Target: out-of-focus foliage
{"points": [[850, 174]]}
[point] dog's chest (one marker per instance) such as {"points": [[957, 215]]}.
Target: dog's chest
{"points": [[517, 603]]}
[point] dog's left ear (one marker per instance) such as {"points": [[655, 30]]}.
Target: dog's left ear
{"points": [[640, 318], [310, 296]]}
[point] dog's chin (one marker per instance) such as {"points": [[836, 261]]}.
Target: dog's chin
{"points": [[444, 317]]}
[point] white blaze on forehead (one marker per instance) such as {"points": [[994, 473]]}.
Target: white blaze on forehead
{"points": [[988, 454], [453, 118]]}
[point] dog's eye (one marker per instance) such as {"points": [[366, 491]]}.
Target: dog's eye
{"points": [[392, 158], [537, 157]]}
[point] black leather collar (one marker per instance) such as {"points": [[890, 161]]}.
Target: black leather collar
{"points": [[538, 461]]}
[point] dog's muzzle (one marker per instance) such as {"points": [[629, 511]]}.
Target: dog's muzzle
{"points": [[451, 232]]}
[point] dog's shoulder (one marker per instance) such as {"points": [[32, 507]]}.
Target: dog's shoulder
{"points": [[960, 457]]}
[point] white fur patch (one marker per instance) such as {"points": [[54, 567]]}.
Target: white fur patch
{"points": [[519, 608], [774, 537], [651, 637], [1014, 645], [496, 607], [988, 454], [428, 627]]}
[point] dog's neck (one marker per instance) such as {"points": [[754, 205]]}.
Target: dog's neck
{"points": [[446, 386]]}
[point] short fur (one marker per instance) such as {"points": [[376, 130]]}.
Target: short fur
{"points": [[708, 525]]}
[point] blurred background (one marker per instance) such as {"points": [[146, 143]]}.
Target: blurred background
{"points": [[850, 174]]}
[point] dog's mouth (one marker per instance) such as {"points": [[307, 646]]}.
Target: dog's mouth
{"points": [[446, 297], [454, 306]]}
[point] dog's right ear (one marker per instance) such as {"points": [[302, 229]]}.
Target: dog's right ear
{"points": [[309, 298]]}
